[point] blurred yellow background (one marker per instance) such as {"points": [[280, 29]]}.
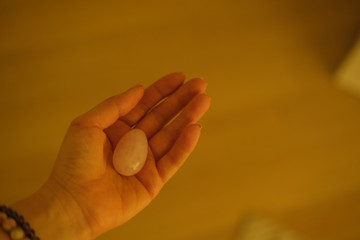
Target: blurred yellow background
{"points": [[279, 141]]}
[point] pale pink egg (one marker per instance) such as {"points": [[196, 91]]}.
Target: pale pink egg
{"points": [[130, 153]]}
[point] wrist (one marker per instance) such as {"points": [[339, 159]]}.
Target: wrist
{"points": [[53, 214]]}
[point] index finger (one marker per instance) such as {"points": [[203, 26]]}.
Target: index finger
{"points": [[153, 94]]}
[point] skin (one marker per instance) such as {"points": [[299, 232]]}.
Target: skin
{"points": [[84, 195]]}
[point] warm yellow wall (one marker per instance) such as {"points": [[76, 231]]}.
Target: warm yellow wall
{"points": [[279, 141]]}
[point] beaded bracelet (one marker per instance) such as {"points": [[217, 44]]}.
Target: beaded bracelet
{"points": [[15, 225]]}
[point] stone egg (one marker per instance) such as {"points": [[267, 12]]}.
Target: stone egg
{"points": [[130, 153]]}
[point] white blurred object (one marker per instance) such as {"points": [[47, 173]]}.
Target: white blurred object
{"points": [[348, 74], [256, 228]]}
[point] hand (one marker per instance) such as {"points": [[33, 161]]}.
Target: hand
{"points": [[83, 175]]}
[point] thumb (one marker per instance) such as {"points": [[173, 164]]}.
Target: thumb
{"points": [[108, 111]]}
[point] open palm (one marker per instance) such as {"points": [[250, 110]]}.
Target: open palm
{"points": [[167, 112]]}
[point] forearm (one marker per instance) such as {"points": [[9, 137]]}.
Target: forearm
{"points": [[53, 214]]}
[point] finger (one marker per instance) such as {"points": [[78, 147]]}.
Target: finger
{"points": [[161, 142], [170, 163], [168, 109], [107, 112], [153, 94]]}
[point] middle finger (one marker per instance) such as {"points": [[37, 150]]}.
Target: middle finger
{"points": [[165, 111]]}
